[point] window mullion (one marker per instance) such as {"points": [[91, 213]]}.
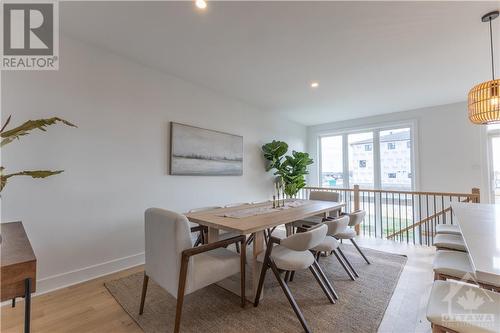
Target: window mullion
{"points": [[377, 169], [345, 161]]}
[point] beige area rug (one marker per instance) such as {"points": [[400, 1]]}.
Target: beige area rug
{"points": [[360, 308]]}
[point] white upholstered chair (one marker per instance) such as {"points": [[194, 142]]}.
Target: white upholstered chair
{"points": [[450, 242], [446, 313], [451, 229], [355, 218], [331, 245], [178, 267], [320, 196], [456, 265], [291, 254]]}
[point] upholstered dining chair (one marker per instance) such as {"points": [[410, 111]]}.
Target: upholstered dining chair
{"points": [[331, 245], [291, 254], [355, 218], [178, 267], [196, 227], [320, 196]]}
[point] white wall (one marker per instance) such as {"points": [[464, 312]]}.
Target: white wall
{"points": [[89, 220], [450, 150]]}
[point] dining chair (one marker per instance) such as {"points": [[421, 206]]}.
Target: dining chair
{"points": [[451, 229], [178, 267], [201, 239], [456, 265], [450, 242], [331, 245], [355, 218], [291, 254], [314, 220]]}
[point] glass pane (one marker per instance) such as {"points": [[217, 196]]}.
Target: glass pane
{"points": [[395, 159], [495, 148], [361, 159], [331, 162]]}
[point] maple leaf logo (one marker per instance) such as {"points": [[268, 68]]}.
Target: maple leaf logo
{"points": [[470, 301]]}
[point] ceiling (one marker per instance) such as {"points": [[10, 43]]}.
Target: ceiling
{"points": [[369, 57]]}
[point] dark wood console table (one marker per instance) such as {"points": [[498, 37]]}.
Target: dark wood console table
{"points": [[17, 267]]}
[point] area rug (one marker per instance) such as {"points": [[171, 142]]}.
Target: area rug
{"points": [[360, 308]]}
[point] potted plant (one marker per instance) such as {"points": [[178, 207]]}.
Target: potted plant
{"points": [[290, 169]]}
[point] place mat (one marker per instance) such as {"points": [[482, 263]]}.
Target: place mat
{"points": [[260, 210]]}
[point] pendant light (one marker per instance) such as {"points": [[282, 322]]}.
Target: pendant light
{"points": [[484, 99]]}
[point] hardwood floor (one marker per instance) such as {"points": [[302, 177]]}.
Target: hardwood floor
{"points": [[88, 307]]}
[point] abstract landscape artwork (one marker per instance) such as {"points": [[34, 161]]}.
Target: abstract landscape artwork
{"points": [[203, 152]]}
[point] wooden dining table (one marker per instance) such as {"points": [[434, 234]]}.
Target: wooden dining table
{"points": [[480, 227], [254, 219]]}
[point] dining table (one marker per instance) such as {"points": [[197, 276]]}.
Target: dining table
{"points": [[480, 228], [254, 219]]}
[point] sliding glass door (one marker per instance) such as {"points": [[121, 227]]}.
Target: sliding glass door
{"points": [[378, 158]]}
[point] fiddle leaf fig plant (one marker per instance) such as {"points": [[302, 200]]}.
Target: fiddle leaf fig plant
{"points": [[7, 136], [291, 170]]}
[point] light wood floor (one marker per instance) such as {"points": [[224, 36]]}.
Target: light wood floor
{"points": [[88, 307]]}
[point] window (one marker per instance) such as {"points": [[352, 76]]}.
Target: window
{"points": [[396, 161], [378, 158], [332, 161], [361, 170]]}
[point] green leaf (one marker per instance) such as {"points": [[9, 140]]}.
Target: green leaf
{"points": [[24, 129], [32, 174]]}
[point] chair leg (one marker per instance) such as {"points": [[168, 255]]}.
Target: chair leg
{"points": [[341, 261], [359, 250], [243, 257], [180, 293], [287, 276], [348, 263], [265, 266], [292, 275], [237, 247], [144, 290], [322, 284], [327, 282], [199, 240], [290, 298]]}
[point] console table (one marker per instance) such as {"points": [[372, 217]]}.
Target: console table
{"points": [[17, 267]]}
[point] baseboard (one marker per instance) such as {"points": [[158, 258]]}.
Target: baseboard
{"points": [[70, 278]]}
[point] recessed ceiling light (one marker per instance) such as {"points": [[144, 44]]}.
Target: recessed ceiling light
{"points": [[201, 4], [314, 84]]}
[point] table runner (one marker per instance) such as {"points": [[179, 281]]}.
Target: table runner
{"points": [[247, 212]]}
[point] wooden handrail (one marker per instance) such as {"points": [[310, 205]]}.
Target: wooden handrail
{"points": [[444, 194], [427, 219]]}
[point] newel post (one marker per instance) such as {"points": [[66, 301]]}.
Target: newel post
{"points": [[356, 206], [477, 195]]}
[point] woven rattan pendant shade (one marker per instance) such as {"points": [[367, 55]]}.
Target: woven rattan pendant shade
{"points": [[484, 99], [484, 103]]}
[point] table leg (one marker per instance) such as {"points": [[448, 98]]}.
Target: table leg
{"points": [[27, 304], [213, 235], [258, 248]]}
